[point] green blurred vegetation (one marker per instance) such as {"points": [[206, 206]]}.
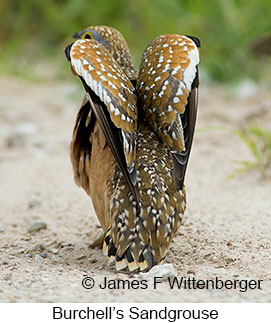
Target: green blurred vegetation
{"points": [[230, 31], [258, 141]]}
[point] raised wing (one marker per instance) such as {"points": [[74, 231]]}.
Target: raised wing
{"points": [[166, 89], [103, 77], [112, 102]]}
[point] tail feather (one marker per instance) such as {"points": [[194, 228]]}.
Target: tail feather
{"points": [[127, 259]]}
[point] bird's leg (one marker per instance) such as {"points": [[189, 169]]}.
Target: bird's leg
{"points": [[98, 242]]}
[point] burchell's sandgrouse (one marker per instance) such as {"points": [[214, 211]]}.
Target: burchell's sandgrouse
{"points": [[132, 139]]}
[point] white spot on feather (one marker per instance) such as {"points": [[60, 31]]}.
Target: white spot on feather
{"points": [[190, 72], [117, 112], [112, 108], [176, 100]]}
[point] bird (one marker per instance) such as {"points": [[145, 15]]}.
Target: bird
{"points": [[132, 139]]}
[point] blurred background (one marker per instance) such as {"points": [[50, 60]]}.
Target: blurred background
{"points": [[235, 34]]}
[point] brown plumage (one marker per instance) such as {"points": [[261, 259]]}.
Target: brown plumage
{"points": [[132, 139]]}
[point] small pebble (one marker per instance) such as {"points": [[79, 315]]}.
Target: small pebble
{"points": [[57, 260], [37, 226], [36, 247], [26, 238], [38, 258], [34, 200], [43, 255], [7, 276], [68, 248], [27, 255], [81, 257], [64, 244], [164, 271], [188, 250], [49, 243]]}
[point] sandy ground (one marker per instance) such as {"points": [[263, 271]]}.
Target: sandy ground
{"points": [[227, 227]]}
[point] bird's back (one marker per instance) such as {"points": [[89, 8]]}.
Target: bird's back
{"points": [[139, 236]]}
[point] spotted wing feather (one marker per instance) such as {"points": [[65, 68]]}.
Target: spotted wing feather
{"points": [[100, 72], [165, 82]]}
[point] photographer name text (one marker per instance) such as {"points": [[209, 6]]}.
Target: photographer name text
{"points": [[187, 283]]}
